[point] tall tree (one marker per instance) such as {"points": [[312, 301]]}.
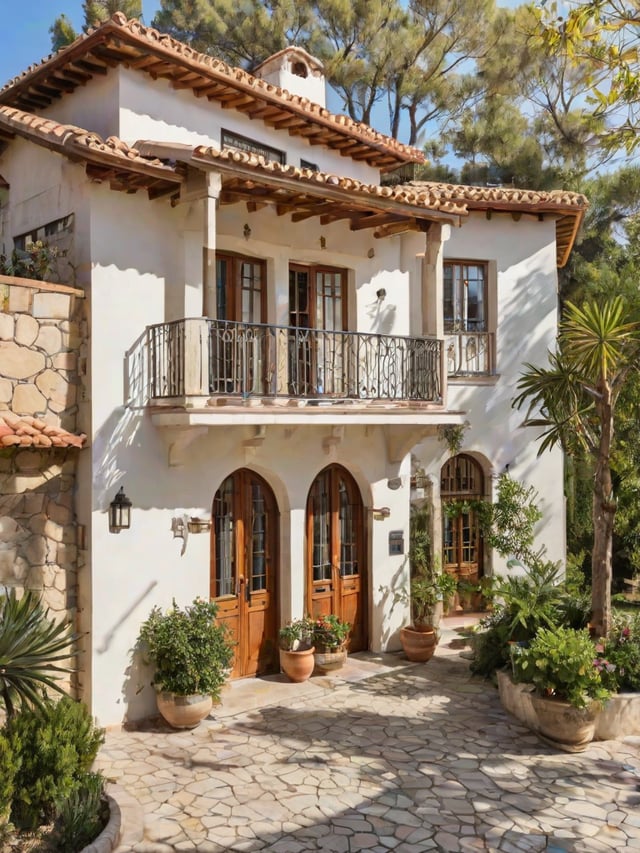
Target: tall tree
{"points": [[604, 35], [416, 57], [95, 12], [574, 402]]}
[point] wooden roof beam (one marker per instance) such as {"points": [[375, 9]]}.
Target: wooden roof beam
{"points": [[86, 66], [395, 228], [375, 219]]}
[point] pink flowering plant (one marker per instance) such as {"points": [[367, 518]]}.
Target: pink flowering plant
{"points": [[618, 656], [329, 633]]}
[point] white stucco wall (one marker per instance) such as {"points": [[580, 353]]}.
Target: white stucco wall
{"points": [[133, 106], [140, 261], [136, 276], [526, 300]]}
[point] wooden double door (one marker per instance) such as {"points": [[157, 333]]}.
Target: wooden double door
{"points": [[244, 553], [336, 573], [244, 560]]}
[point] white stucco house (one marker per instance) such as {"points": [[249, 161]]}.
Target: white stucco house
{"points": [[255, 336]]}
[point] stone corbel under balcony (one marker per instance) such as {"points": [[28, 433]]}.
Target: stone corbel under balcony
{"points": [[329, 442], [258, 437], [179, 440]]}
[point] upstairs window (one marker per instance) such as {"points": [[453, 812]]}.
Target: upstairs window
{"points": [[251, 146], [465, 297]]}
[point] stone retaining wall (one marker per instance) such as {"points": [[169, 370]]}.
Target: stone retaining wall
{"points": [[42, 335]]}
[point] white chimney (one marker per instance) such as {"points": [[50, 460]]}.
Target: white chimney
{"points": [[296, 71]]}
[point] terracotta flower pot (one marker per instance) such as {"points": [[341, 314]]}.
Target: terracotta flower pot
{"points": [[419, 643], [561, 724], [184, 712], [298, 665]]}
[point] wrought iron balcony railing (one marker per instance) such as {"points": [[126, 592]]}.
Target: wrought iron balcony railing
{"points": [[200, 357], [469, 354]]}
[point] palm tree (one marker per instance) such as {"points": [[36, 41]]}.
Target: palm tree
{"points": [[574, 400], [32, 648]]}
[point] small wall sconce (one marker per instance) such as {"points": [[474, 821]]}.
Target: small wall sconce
{"points": [[119, 512], [381, 294], [371, 253], [382, 512], [199, 525], [323, 242], [246, 231]]}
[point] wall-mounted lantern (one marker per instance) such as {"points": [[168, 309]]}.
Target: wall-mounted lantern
{"points": [[119, 512]]}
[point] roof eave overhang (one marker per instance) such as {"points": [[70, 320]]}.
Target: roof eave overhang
{"points": [[115, 42]]}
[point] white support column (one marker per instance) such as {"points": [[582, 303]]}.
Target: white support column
{"points": [[433, 292], [196, 358], [214, 185], [294, 574]]}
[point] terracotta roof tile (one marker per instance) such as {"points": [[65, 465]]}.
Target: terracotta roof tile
{"points": [[421, 196], [26, 431], [497, 197], [130, 41], [74, 139]]}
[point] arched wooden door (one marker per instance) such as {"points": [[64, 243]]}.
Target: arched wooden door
{"points": [[462, 482], [244, 546], [336, 571]]}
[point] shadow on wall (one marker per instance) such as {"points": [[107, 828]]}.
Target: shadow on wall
{"points": [[382, 316]]}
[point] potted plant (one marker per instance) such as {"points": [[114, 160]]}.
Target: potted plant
{"points": [[561, 664], [330, 636], [419, 640], [296, 649], [192, 655]]}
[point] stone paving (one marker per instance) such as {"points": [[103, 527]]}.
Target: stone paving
{"points": [[400, 757]]}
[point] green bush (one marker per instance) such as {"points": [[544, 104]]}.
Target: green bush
{"points": [[55, 745], [9, 765], [82, 815], [192, 653], [619, 655], [560, 662]]}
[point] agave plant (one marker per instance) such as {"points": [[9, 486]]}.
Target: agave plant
{"points": [[32, 648]]}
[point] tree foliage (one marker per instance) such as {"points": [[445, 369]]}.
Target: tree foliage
{"points": [[34, 651], [95, 12], [604, 37], [573, 402]]}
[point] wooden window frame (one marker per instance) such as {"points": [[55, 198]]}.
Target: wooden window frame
{"points": [[238, 142], [233, 285], [313, 270]]}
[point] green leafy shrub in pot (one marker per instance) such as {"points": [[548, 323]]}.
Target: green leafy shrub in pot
{"points": [[191, 652], [297, 635], [329, 633], [560, 663]]}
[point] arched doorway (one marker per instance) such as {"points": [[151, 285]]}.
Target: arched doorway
{"points": [[336, 571], [243, 580], [461, 484]]}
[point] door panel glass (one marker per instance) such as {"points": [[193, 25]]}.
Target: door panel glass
{"points": [[348, 540], [222, 276], [259, 539], [320, 502], [461, 480], [225, 577]]}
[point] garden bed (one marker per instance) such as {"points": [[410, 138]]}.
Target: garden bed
{"points": [[619, 718]]}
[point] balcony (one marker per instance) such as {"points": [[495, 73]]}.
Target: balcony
{"points": [[217, 358], [470, 354]]}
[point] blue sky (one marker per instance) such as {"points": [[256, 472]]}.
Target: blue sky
{"points": [[25, 37]]}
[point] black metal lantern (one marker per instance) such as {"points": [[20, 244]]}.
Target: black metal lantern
{"points": [[119, 512]]}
